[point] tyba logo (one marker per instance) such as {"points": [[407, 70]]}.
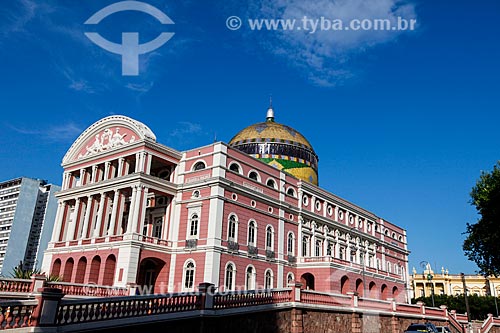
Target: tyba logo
{"points": [[129, 49]]}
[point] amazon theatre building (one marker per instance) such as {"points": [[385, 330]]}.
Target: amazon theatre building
{"points": [[244, 215]]}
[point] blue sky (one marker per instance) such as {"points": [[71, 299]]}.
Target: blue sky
{"points": [[403, 122]]}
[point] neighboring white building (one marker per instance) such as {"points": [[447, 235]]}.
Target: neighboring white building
{"points": [[27, 213]]}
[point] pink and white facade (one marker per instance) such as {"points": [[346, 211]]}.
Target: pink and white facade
{"points": [[133, 211]]}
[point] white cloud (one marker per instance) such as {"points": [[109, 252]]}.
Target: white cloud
{"points": [[185, 128], [63, 132], [324, 55], [140, 87]]}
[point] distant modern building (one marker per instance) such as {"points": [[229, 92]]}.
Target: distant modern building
{"points": [[243, 215], [27, 214], [444, 283]]}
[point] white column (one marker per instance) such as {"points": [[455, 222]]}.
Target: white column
{"points": [[131, 210], [325, 242], [312, 245], [337, 247], [88, 212], [98, 223], [112, 223], [121, 161], [82, 177], [106, 170], [142, 208], [148, 165], [137, 161], [61, 206], [70, 235], [65, 180], [94, 174], [299, 238], [137, 208]]}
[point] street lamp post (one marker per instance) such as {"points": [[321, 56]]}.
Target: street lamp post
{"points": [[466, 301], [494, 295], [429, 278]]}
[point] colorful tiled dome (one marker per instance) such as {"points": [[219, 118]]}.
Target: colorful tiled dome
{"points": [[280, 146]]}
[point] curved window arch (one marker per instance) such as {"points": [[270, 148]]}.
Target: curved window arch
{"points": [[254, 175], [200, 165], [268, 279], [291, 192], [305, 246], [232, 228], [56, 267], [250, 278], [290, 244], [229, 277], [318, 248], [271, 183], [194, 221], [269, 238], [189, 274], [252, 232], [235, 167], [290, 278]]}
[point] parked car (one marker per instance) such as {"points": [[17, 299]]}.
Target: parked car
{"points": [[424, 327], [443, 329]]}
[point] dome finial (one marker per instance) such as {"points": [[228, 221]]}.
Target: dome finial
{"points": [[270, 110]]}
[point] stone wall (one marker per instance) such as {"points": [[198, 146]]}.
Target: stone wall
{"points": [[283, 321]]}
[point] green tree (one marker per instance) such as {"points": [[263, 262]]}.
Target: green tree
{"points": [[482, 244]]}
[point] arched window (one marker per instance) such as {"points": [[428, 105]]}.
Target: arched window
{"points": [[56, 267], [254, 176], [318, 248], [232, 229], [193, 226], [290, 244], [229, 279], [344, 285], [342, 253], [251, 233], [329, 249], [250, 278], [268, 280], [271, 183], [189, 270], [290, 192], [199, 166], [269, 238], [157, 227], [290, 278], [305, 246], [234, 167], [389, 268]]}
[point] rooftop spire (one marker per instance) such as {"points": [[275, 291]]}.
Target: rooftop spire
{"points": [[270, 110]]}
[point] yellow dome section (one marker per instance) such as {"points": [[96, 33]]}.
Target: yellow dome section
{"points": [[279, 146], [271, 132]]}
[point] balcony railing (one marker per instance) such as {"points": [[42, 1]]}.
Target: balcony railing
{"points": [[270, 255], [233, 246], [253, 251], [191, 243]]}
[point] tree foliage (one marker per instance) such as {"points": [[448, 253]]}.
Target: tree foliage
{"points": [[479, 306], [482, 244]]}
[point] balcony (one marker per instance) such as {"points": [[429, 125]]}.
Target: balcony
{"points": [[233, 246], [253, 251], [191, 243], [270, 255]]}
